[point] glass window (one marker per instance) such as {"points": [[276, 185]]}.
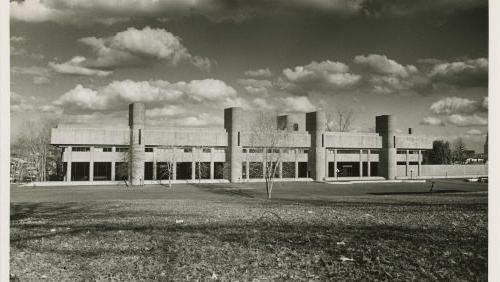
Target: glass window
{"points": [[188, 150], [107, 149], [122, 149], [80, 149], [148, 150], [207, 150]]}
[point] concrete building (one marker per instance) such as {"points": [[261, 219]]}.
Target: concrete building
{"points": [[307, 152]]}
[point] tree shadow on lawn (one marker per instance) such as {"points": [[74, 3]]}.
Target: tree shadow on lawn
{"points": [[426, 193], [224, 189]]}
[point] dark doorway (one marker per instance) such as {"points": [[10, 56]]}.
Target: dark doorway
{"points": [[148, 171], [365, 168], [348, 169], [219, 170], [302, 169], [102, 171], [374, 169], [80, 171], [184, 170], [256, 170], [288, 170], [121, 170], [163, 171], [331, 169], [203, 169]]}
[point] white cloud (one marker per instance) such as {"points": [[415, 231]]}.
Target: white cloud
{"points": [[382, 65], [468, 73], [134, 47], [457, 105], [166, 111], [318, 77], [297, 104], [41, 75], [259, 73], [76, 66], [19, 103], [256, 86], [474, 132], [119, 93], [83, 98], [432, 121], [464, 120], [263, 104], [82, 12]]}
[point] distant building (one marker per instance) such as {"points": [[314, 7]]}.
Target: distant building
{"points": [[311, 152]]}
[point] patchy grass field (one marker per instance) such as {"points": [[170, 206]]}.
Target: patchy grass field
{"points": [[231, 232]]}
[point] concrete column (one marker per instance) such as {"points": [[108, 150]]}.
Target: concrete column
{"points": [[368, 166], [154, 170], [385, 125], [420, 163], [360, 163], [193, 170], [91, 164], [174, 170], [280, 170], [233, 120], [335, 163], [296, 168], [137, 155], [68, 164], [316, 126], [113, 171], [263, 169], [212, 163], [407, 162], [247, 167]]}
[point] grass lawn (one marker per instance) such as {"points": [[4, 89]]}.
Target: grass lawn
{"points": [[309, 231]]}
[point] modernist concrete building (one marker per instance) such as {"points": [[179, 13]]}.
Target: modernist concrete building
{"points": [[308, 152]]}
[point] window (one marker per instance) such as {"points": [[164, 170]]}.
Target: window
{"points": [[80, 149], [102, 149], [122, 149], [306, 151], [107, 149], [255, 150], [207, 150], [273, 150], [295, 127], [401, 152], [348, 151], [140, 135], [244, 150], [188, 150], [148, 150]]}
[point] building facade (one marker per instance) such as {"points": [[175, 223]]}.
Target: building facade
{"points": [[305, 150]]}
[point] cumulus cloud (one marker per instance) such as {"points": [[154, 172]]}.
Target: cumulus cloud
{"points": [[297, 104], [457, 105], [119, 93], [259, 73], [382, 65], [82, 12], [263, 104], [75, 66], [166, 111], [40, 75], [467, 120], [474, 132], [432, 121], [256, 86], [19, 103], [318, 77], [468, 73], [134, 47]]}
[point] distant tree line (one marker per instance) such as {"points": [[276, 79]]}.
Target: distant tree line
{"points": [[444, 153]]}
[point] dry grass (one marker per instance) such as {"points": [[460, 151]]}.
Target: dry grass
{"points": [[229, 236]]}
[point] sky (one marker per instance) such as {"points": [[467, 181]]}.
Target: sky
{"points": [[424, 61]]}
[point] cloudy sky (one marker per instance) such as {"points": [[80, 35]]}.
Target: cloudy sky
{"points": [[425, 61]]}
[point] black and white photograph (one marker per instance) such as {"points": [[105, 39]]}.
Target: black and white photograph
{"points": [[232, 140]]}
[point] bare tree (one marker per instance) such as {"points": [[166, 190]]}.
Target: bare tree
{"points": [[33, 146], [200, 166], [267, 141], [459, 154], [167, 168], [340, 120]]}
